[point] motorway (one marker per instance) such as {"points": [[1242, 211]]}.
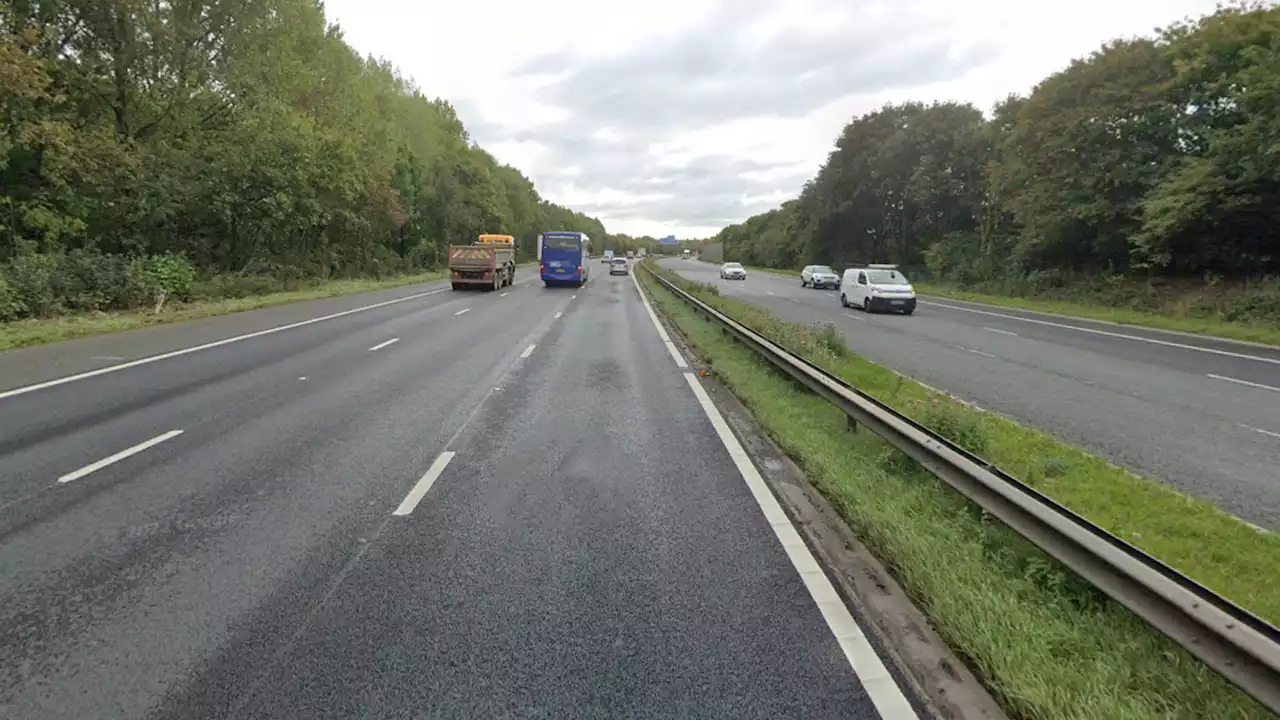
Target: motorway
{"points": [[1200, 414], [416, 503]]}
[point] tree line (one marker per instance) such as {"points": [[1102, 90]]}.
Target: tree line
{"points": [[213, 148], [1154, 157]]}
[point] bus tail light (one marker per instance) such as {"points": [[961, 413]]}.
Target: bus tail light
{"points": [[579, 269]]}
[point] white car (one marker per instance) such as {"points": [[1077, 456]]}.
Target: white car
{"points": [[877, 287], [733, 271], [819, 276]]}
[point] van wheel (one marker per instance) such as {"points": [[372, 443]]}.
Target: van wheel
{"points": [[844, 301], [866, 305]]}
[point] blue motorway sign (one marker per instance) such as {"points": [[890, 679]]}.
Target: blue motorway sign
{"points": [[669, 240]]}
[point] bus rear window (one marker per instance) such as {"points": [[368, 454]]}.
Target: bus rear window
{"points": [[560, 242]]}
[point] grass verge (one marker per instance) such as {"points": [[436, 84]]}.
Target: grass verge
{"points": [[1047, 644], [1250, 332]]}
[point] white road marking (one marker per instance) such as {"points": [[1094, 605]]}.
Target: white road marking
{"points": [[1002, 332], [381, 345], [859, 318], [1260, 430], [528, 351], [557, 317], [1244, 382], [766, 292], [979, 352], [127, 452], [504, 294], [573, 297], [303, 377], [424, 484], [463, 310], [794, 300], [206, 346], [1153, 341], [884, 692], [106, 357], [662, 332]]}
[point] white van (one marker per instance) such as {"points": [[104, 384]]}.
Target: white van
{"points": [[877, 287]]}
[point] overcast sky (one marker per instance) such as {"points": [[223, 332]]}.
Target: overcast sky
{"points": [[682, 116]]}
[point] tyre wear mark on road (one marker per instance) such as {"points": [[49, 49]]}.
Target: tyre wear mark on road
{"points": [[1247, 383], [206, 346], [1095, 331], [113, 459]]}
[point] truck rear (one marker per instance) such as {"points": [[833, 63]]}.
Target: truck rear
{"points": [[489, 264]]}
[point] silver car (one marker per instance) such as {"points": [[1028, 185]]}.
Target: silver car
{"points": [[733, 271], [819, 276], [619, 266]]}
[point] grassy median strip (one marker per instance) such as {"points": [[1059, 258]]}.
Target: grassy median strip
{"points": [[1049, 645]]}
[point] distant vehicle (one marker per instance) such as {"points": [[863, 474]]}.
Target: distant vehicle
{"points": [[686, 254], [819, 276], [563, 258], [640, 253], [619, 266], [733, 271], [631, 254], [489, 264], [877, 287], [608, 256]]}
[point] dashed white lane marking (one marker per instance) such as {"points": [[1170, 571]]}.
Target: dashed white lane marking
{"points": [[573, 297], [527, 351], [979, 352], [859, 318], [127, 452], [424, 484], [557, 317], [1002, 332], [1243, 382], [381, 345], [662, 332], [1260, 430], [1064, 326], [884, 692], [302, 377], [504, 294], [766, 292], [207, 346], [463, 310]]}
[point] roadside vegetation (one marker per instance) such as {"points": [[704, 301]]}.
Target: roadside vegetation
{"points": [[1048, 645], [162, 161], [1138, 184]]}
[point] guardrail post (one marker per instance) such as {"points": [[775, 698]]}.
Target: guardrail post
{"points": [[850, 424]]}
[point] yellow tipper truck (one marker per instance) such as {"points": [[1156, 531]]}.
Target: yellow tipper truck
{"points": [[489, 264]]}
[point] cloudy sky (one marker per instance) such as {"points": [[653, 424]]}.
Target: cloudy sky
{"points": [[682, 116]]}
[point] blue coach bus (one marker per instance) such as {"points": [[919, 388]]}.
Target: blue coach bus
{"points": [[564, 258]]}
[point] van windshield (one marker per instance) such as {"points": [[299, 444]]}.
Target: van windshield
{"points": [[886, 277]]}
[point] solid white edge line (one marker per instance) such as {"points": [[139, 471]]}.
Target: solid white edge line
{"points": [[1095, 331], [206, 346], [662, 332], [528, 351], [889, 701], [1243, 382], [463, 310], [381, 345], [94, 467], [424, 484]]}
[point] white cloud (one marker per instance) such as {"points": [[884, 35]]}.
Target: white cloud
{"points": [[684, 115]]}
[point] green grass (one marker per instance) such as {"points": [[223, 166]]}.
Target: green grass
{"points": [[1047, 644], [1252, 332], [25, 333]]}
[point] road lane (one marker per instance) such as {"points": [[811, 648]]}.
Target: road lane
{"points": [[1153, 408], [117, 584], [589, 550]]}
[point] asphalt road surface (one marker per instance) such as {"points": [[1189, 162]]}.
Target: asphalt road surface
{"points": [[484, 505], [1198, 413]]}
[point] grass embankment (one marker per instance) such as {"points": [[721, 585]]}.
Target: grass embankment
{"points": [[25, 333], [1048, 645]]}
